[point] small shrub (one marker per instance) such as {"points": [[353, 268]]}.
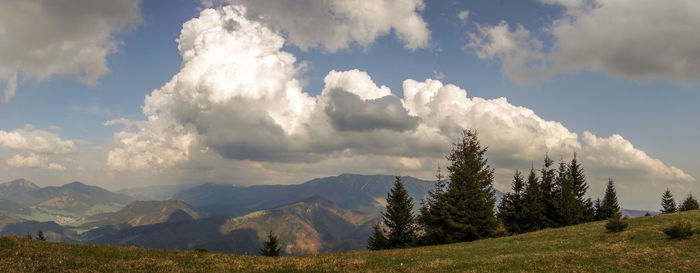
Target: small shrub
{"points": [[679, 230], [500, 231], [40, 236], [201, 250], [616, 223]]}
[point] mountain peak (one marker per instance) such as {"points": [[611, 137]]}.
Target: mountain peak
{"points": [[76, 184], [18, 185]]}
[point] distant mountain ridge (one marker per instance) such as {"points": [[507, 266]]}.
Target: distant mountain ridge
{"points": [[349, 191], [142, 213]]}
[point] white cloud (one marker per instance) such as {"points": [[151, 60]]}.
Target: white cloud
{"points": [[41, 39], [236, 112], [32, 140], [634, 39], [463, 15], [336, 24], [30, 160]]}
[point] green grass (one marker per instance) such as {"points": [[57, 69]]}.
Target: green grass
{"points": [[642, 247]]}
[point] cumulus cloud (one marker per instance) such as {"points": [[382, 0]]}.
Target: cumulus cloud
{"points": [[235, 111], [336, 24], [463, 15], [34, 148], [637, 40], [42, 38]]}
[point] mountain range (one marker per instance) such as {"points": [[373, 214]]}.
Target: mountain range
{"points": [[322, 215]]}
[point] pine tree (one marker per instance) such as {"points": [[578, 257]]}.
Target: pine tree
{"points": [[609, 205], [533, 205], [377, 240], [690, 203], [433, 213], [596, 208], [667, 203], [583, 208], [271, 247], [510, 210], [465, 211], [470, 194], [549, 192], [566, 200], [399, 217]]}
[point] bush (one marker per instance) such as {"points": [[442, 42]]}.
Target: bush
{"points": [[201, 250], [616, 223], [679, 230]]}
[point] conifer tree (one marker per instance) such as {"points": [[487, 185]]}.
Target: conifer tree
{"points": [[583, 208], [549, 192], [566, 200], [510, 210], [465, 210], [470, 194], [690, 203], [609, 205], [433, 213], [533, 205], [596, 208], [399, 217], [271, 246], [668, 205], [377, 240]]}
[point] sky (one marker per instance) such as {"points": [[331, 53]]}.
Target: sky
{"points": [[131, 93]]}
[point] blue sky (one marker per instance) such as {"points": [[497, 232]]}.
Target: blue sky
{"points": [[656, 112]]}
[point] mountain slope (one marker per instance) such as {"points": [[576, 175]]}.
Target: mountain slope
{"points": [[75, 197], [365, 193], [141, 213], [309, 226], [583, 248], [16, 187]]}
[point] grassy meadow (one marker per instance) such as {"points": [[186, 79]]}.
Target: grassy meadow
{"points": [[583, 248]]}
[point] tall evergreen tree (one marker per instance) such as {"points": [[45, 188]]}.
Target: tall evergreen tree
{"points": [[583, 209], [549, 192], [609, 205], [433, 213], [510, 210], [377, 240], [533, 202], [567, 206], [271, 246], [690, 203], [668, 205], [596, 208], [465, 211], [399, 217]]}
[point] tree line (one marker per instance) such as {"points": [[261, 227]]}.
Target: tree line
{"points": [[462, 206]]}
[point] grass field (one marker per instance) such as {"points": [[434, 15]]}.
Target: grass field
{"points": [[583, 248]]}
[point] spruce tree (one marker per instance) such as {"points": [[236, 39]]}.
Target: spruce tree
{"points": [[433, 213], [470, 194], [668, 205], [566, 199], [690, 203], [377, 240], [399, 217], [583, 209], [270, 246], [596, 208], [609, 205], [533, 205], [465, 210], [549, 192], [510, 210]]}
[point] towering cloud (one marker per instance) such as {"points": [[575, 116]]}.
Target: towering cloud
{"points": [[634, 39], [61, 37], [335, 24], [236, 111]]}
